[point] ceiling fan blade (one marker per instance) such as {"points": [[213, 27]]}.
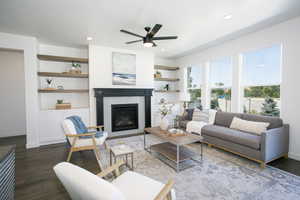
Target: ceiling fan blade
{"points": [[133, 41], [155, 29], [127, 32], [165, 38]]}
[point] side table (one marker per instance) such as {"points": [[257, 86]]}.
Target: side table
{"points": [[121, 150]]}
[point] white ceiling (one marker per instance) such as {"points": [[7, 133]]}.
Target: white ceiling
{"points": [[198, 23]]}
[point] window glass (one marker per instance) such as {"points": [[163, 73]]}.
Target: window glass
{"points": [[220, 84], [261, 81]]}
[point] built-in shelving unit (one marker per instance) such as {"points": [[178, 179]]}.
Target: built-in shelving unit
{"points": [[166, 85], [62, 58], [166, 91], [163, 67], [64, 75], [73, 90], [167, 79], [63, 91]]}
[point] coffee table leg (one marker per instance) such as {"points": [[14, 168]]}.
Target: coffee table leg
{"points": [[201, 150], [132, 161], [177, 160], [145, 140], [110, 162]]}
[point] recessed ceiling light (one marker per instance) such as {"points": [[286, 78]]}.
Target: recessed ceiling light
{"points": [[228, 16], [89, 38]]}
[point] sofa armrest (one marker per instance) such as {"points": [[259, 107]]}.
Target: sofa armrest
{"points": [[275, 143]]}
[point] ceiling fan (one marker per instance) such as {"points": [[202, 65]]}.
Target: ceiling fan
{"points": [[149, 38]]}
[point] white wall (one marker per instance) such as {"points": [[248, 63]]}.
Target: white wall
{"points": [[12, 89], [100, 70], [287, 34], [29, 46]]}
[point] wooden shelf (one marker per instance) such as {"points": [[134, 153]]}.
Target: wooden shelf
{"points": [[66, 75], [167, 91], [166, 79], [63, 91], [162, 67], [72, 108], [62, 59]]}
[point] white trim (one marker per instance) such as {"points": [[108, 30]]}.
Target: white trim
{"points": [[29, 46], [53, 142], [294, 156]]}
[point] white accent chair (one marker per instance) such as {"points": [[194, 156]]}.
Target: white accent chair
{"points": [[83, 185], [82, 144]]}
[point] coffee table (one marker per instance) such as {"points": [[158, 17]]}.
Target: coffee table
{"points": [[173, 148]]}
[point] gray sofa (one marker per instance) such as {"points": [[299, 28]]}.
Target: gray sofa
{"points": [[270, 145]]}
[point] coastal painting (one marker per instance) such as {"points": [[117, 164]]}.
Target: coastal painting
{"points": [[123, 69]]}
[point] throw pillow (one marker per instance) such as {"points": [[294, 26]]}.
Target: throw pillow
{"points": [[249, 126], [189, 113], [199, 115]]}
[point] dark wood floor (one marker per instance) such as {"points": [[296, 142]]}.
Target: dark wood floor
{"points": [[35, 178]]}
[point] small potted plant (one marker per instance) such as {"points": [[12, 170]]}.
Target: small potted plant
{"points": [[76, 68], [157, 74]]}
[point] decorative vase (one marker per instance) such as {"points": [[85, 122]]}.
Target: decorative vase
{"points": [[164, 124]]}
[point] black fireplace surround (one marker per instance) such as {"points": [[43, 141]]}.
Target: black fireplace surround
{"points": [[100, 93], [124, 117]]}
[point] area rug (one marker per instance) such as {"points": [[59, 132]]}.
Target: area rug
{"points": [[220, 175]]}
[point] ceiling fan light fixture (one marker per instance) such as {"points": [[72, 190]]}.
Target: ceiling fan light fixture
{"points": [[148, 44]]}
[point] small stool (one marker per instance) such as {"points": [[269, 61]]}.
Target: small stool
{"points": [[121, 151]]}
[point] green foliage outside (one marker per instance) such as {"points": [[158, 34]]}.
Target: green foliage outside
{"points": [[270, 107], [272, 91], [219, 93]]}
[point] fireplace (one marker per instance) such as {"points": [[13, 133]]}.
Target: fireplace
{"points": [[101, 93], [124, 117]]}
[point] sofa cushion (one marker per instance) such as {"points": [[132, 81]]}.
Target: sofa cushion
{"points": [[249, 126], [275, 122], [199, 115], [188, 114], [235, 136], [225, 118]]}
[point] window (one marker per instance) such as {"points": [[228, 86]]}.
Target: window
{"points": [[261, 81], [194, 81], [220, 84]]}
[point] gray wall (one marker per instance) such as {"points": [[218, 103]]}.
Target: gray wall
{"points": [[12, 91]]}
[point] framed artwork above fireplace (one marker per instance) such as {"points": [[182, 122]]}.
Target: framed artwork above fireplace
{"points": [[123, 69]]}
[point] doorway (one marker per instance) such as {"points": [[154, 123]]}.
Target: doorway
{"points": [[12, 90]]}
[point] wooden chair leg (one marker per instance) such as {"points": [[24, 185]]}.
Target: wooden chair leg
{"points": [[262, 165], [106, 145], [69, 156], [97, 153]]}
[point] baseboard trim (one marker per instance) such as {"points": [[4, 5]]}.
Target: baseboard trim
{"points": [[52, 142], [294, 156], [31, 146]]}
